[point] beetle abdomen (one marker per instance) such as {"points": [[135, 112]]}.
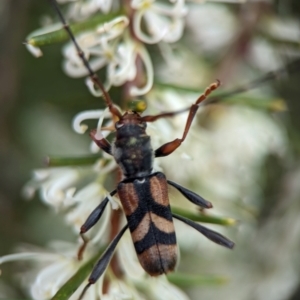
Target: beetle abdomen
{"points": [[146, 205]]}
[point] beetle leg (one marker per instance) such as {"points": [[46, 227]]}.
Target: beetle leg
{"points": [[210, 234], [103, 261], [191, 196], [102, 143], [92, 219], [168, 148], [164, 115]]}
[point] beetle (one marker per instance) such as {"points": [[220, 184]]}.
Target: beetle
{"points": [[143, 193]]}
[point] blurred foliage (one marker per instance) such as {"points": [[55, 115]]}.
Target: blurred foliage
{"points": [[37, 105]]}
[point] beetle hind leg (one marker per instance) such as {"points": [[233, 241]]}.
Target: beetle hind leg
{"points": [[208, 233], [103, 262]]}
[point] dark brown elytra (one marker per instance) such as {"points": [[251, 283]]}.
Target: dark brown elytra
{"points": [[144, 193]]}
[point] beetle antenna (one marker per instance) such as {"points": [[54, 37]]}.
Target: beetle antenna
{"points": [[95, 79], [290, 68]]}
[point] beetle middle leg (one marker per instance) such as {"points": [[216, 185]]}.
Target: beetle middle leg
{"points": [[191, 196], [92, 219]]}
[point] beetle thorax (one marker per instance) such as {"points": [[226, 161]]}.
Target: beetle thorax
{"points": [[132, 148]]}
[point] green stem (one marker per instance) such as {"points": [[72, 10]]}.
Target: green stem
{"points": [[204, 218], [58, 161]]}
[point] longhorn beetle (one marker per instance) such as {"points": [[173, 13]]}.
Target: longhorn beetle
{"points": [[143, 193]]}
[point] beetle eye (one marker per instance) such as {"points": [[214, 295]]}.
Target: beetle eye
{"points": [[119, 125]]}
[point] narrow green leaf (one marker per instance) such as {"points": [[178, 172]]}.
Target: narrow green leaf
{"points": [[177, 87], [58, 161], [270, 104], [204, 218], [186, 280], [61, 35], [66, 291]]}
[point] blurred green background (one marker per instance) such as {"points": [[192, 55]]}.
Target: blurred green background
{"points": [[38, 103]]}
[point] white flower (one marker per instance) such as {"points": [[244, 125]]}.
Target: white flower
{"points": [[58, 187], [161, 289], [121, 67], [119, 290], [54, 184], [110, 46], [204, 21], [164, 22], [53, 268], [100, 44], [78, 10], [98, 114]]}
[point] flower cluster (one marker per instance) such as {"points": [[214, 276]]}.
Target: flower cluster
{"points": [[117, 43]]}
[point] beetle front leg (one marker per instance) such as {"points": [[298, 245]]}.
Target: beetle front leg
{"points": [[102, 143], [92, 219], [168, 148]]}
